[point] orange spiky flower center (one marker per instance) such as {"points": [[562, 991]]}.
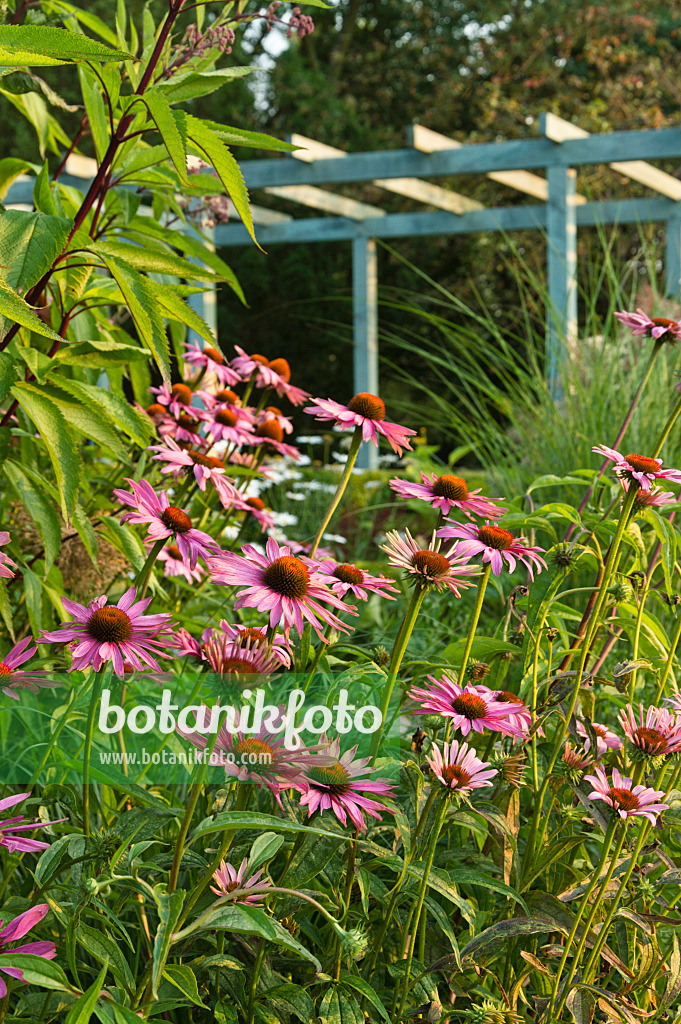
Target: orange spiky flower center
{"points": [[109, 625], [495, 537], [252, 745], [226, 395], [245, 635], [507, 697], [187, 422], [226, 417], [174, 552], [470, 705], [642, 464], [451, 487], [156, 410], [431, 563], [263, 360], [287, 576], [662, 321], [269, 430], [198, 458], [455, 776], [347, 573], [623, 798], [256, 503], [181, 393], [237, 666], [367, 405], [176, 520], [4, 669], [281, 367], [213, 354], [652, 741], [335, 778]]}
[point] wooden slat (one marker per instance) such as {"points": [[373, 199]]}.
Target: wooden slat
{"points": [[331, 202], [413, 188], [428, 141], [559, 130]]}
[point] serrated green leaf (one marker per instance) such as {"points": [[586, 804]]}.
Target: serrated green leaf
{"points": [[207, 144], [99, 353], [171, 126], [117, 413], [29, 245], [175, 308], [253, 140], [169, 909], [189, 86], [8, 374], [37, 44], [56, 436], [139, 298], [86, 18], [43, 200], [85, 416], [39, 508], [151, 261], [95, 109]]}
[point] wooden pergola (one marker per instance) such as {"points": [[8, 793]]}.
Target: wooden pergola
{"points": [[306, 177]]}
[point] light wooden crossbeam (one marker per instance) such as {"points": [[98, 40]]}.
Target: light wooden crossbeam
{"points": [[428, 141], [414, 188], [559, 130], [321, 199]]}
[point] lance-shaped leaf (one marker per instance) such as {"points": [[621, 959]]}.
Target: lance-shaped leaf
{"points": [[211, 147], [56, 436], [36, 970], [39, 508], [181, 88], [153, 261], [29, 245], [24, 45], [169, 910], [139, 298], [83, 1009], [112, 408], [171, 126]]}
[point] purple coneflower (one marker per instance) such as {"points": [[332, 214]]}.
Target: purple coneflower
{"points": [[606, 739], [177, 399], [344, 578], [13, 678], [639, 801], [258, 510], [470, 707], [209, 359], [495, 544], [430, 566], [117, 633], [11, 826], [448, 492], [654, 732], [365, 411], [271, 435], [241, 663], [575, 762], [270, 374], [15, 930], [641, 468], [279, 646], [458, 767], [175, 565], [655, 327], [165, 520], [654, 498], [340, 787], [206, 469], [228, 879], [5, 560], [230, 423], [281, 584], [271, 412]]}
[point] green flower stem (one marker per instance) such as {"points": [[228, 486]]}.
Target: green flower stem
{"points": [[321, 647], [87, 749], [479, 598], [349, 879], [533, 705], [342, 484], [255, 978], [670, 660], [637, 639], [593, 624], [595, 881], [399, 648], [437, 828], [676, 412]]}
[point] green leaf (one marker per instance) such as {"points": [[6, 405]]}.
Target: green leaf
{"points": [[82, 1010], [29, 245], [22, 45], [116, 412], [245, 920], [234, 820], [7, 374], [104, 949], [39, 508], [169, 910], [467, 876], [339, 1008], [254, 140], [175, 308], [43, 199], [139, 298], [15, 310], [151, 261], [292, 998], [189, 86], [183, 978], [171, 126], [666, 534], [366, 991], [264, 848], [86, 18], [19, 82], [213, 149], [33, 595], [96, 112], [10, 168], [56, 437], [87, 418], [490, 943], [98, 354], [36, 970]]}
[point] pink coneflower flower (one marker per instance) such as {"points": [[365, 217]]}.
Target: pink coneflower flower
{"points": [[256, 507], [230, 423], [5, 560], [175, 565], [654, 498], [11, 826], [165, 521], [117, 633], [279, 645], [340, 787], [365, 411], [187, 645], [495, 544], [638, 467], [430, 566], [270, 412], [655, 327], [228, 879], [206, 469], [177, 399], [240, 663], [13, 678], [344, 578], [458, 767], [575, 762], [628, 802], [258, 757], [271, 374], [15, 930], [656, 734], [270, 434], [209, 359], [281, 584], [606, 738], [470, 707], [448, 492], [519, 715]]}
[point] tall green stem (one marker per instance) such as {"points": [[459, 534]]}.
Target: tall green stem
{"points": [[87, 749], [676, 412], [475, 618], [400, 646], [257, 970], [670, 660], [340, 490]]}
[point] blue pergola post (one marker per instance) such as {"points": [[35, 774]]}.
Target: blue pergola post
{"points": [[672, 263], [561, 314], [365, 329], [204, 303]]}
